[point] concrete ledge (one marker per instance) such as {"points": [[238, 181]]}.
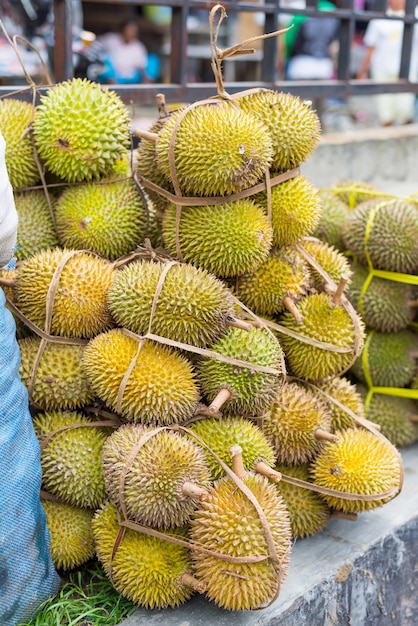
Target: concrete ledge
{"points": [[370, 155], [362, 573]]}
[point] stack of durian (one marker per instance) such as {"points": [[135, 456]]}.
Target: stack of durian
{"points": [[189, 400], [379, 233]]}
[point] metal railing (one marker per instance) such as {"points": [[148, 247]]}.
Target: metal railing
{"points": [[177, 88]]}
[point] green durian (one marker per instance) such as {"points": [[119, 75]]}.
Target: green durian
{"points": [[334, 213], [294, 126], [147, 570], [193, 306], [219, 150], [354, 192], [36, 230], [71, 534], [346, 393], [108, 219], [397, 417], [159, 480], [161, 388], [71, 460], [225, 239], [392, 230], [334, 263], [81, 129]]}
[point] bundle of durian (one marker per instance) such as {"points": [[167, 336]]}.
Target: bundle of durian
{"points": [[379, 234], [190, 400]]}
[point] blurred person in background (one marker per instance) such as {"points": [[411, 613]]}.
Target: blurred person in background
{"points": [[382, 61]]}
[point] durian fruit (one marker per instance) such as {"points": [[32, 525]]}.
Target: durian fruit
{"points": [[60, 382], [36, 230], [277, 284], [390, 359], [326, 321], [225, 239], [71, 460], [161, 388], [154, 227], [147, 166], [219, 150], [108, 218], [393, 235], [308, 513], [397, 417], [81, 129], [243, 391], [360, 463], [71, 534], [296, 425], [346, 393], [80, 306], [228, 523], [293, 124], [354, 192], [335, 264], [386, 305], [334, 212], [295, 210], [193, 306], [160, 485], [15, 119], [149, 571], [221, 434]]}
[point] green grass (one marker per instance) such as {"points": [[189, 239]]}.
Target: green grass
{"points": [[87, 598]]}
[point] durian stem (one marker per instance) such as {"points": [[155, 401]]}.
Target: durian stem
{"points": [[237, 462], [336, 298], [188, 580], [265, 470], [194, 491], [145, 134], [291, 307], [351, 517], [413, 418], [412, 304], [223, 396], [241, 324], [161, 105], [320, 433], [5, 282]]}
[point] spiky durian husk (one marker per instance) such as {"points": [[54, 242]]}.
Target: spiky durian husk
{"points": [[291, 421], [395, 417], [147, 166], [228, 523], [193, 306], [71, 461], [71, 534], [284, 273], [294, 126], [11, 294], [393, 240], [144, 569], [161, 388], [359, 463], [346, 393], [219, 150], [354, 192], [80, 305], [108, 219], [226, 239], [334, 213], [15, 118], [325, 322], [391, 359], [307, 511], [221, 434], [36, 229], [60, 382], [385, 304], [295, 210], [331, 260], [153, 483], [252, 391], [81, 129]]}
